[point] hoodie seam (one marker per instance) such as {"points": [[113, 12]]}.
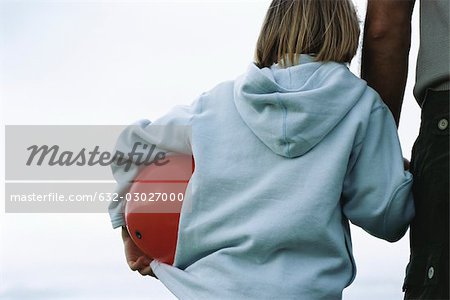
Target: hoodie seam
{"points": [[376, 109], [284, 124]]}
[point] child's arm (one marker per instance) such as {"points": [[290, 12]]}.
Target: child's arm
{"points": [[377, 191], [170, 134], [136, 259]]}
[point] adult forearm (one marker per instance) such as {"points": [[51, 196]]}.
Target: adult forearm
{"points": [[386, 72], [386, 44]]}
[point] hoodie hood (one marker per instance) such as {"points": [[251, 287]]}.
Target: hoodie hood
{"points": [[292, 109]]}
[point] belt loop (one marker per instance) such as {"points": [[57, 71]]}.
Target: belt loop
{"points": [[424, 99]]}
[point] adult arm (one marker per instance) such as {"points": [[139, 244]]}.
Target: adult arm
{"points": [[386, 44]]}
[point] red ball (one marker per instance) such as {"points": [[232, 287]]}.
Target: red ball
{"points": [[154, 203]]}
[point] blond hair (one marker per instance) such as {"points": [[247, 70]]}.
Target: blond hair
{"points": [[327, 29]]}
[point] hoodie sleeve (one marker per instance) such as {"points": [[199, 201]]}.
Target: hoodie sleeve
{"points": [[169, 134], [377, 192]]}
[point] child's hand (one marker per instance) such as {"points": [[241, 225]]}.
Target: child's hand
{"points": [[136, 259]]}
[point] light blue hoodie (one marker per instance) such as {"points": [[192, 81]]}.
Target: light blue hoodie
{"points": [[285, 157]]}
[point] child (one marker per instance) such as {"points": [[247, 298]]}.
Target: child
{"points": [[285, 156]]}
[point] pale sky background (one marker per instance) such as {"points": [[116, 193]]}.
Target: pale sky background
{"points": [[114, 62]]}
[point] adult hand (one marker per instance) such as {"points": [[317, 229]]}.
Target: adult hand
{"points": [[406, 164], [136, 259]]}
